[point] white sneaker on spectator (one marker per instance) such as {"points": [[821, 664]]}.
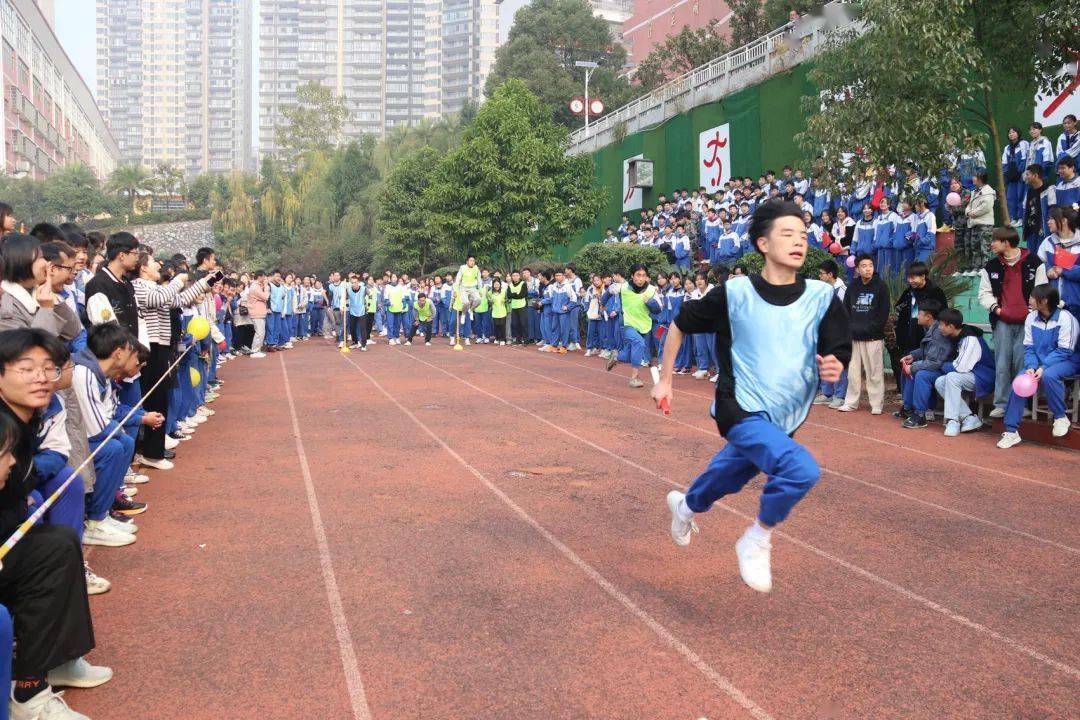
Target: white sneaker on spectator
{"points": [[171, 443], [46, 705], [257, 355], [754, 550], [875, 411], [198, 419], [467, 341], [130, 491], [952, 428], [714, 378], [1008, 440], [203, 410], [95, 585], [970, 424], [701, 374], [134, 478], [408, 342], [847, 408], [997, 413], [98, 532], [837, 403], [588, 353], [427, 342], [681, 528], [79, 673], [822, 400], [288, 345], [161, 464], [128, 527], [1061, 427], [929, 415]]}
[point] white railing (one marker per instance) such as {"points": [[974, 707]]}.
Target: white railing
{"points": [[739, 68]]}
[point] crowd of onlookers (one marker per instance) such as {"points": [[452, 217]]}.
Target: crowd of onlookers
{"points": [[103, 376]]}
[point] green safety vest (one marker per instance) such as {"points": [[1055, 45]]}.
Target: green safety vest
{"points": [[498, 304], [517, 303], [372, 299], [423, 312], [482, 306], [470, 276], [395, 297], [635, 313]]}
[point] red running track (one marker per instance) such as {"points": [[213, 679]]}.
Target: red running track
{"points": [[482, 534]]}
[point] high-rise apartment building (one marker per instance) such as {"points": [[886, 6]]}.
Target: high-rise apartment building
{"points": [[469, 37], [174, 79], [49, 117], [394, 61], [614, 13]]}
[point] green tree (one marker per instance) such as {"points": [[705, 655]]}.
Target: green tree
{"points": [[168, 179], [129, 180], [27, 197], [680, 53], [924, 75], [73, 191], [547, 38], [509, 188], [314, 123], [351, 170], [198, 192], [408, 239], [748, 21]]}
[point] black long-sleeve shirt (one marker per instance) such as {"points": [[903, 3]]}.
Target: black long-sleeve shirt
{"points": [[710, 315], [868, 308]]}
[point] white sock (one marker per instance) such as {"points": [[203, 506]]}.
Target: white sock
{"points": [[759, 531], [685, 513]]}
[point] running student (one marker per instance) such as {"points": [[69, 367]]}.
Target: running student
{"points": [[777, 335]]}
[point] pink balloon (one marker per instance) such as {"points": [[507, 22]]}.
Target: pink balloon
{"points": [[1025, 385], [835, 248], [850, 262], [952, 199]]}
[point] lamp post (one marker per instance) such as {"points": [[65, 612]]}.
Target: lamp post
{"points": [[589, 67]]}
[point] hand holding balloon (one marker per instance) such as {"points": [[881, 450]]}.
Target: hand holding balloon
{"points": [[1026, 384]]}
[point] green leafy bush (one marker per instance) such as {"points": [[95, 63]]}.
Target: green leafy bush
{"points": [[754, 262], [603, 258]]}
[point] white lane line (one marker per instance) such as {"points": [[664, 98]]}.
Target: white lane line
{"points": [[880, 441], [662, 632], [713, 434], [353, 681], [862, 572]]}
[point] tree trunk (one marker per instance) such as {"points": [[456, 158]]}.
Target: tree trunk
{"points": [[995, 144]]}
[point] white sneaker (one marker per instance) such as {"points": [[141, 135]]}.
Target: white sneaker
{"points": [[970, 424], [363, 348], [1008, 440], [46, 705], [753, 550], [79, 673], [1061, 427], [408, 342], [847, 408], [427, 343], [822, 400], [997, 413], [287, 345], [257, 355], [198, 419], [952, 428], [124, 527], [714, 378], [95, 585], [98, 532], [206, 412], [161, 464], [701, 374], [930, 415], [130, 491], [467, 341], [836, 403], [681, 529], [134, 478], [392, 342], [171, 443], [588, 353]]}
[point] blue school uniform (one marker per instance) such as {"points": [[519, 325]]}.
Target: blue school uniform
{"points": [[275, 330], [925, 228], [727, 250], [903, 242], [1015, 157], [884, 228]]}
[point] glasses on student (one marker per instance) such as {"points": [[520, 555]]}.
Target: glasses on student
{"points": [[49, 373]]}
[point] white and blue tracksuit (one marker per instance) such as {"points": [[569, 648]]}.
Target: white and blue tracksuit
{"points": [[52, 448], [1068, 145], [704, 343], [728, 249], [884, 228], [1067, 192], [925, 229], [973, 369], [276, 333], [1016, 157], [1050, 344], [772, 405], [562, 299], [903, 242], [1069, 282], [1041, 152], [101, 410], [711, 230]]}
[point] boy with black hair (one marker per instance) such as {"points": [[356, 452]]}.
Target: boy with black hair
{"points": [[795, 328], [867, 304], [832, 393], [108, 358], [1067, 190], [110, 296], [922, 366], [971, 369], [909, 332]]}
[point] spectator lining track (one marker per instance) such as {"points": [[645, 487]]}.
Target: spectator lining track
{"points": [[483, 534]]}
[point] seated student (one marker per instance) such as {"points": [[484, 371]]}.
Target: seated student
{"points": [[107, 358], [41, 579], [971, 369], [1050, 355], [922, 366]]}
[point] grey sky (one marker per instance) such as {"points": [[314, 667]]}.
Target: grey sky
{"points": [[76, 26]]}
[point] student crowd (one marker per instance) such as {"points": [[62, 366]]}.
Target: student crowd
{"points": [[99, 381]]}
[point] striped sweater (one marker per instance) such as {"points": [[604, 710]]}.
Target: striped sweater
{"points": [[154, 302]]}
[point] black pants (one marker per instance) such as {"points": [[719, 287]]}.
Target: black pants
{"points": [[358, 329], [153, 441], [519, 324], [500, 329], [369, 323], [243, 336], [43, 585], [421, 327]]}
